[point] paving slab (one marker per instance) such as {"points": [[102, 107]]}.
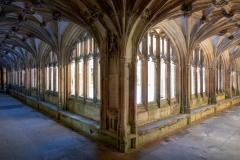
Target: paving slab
{"points": [[28, 134]]}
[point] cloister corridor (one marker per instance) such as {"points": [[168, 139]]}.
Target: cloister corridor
{"points": [[27, 134]]}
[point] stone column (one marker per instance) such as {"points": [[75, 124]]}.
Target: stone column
{"points": [[105, 92], [62, 88], [133, 101], [124, 104]]}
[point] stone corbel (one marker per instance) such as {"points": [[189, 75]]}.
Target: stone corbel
{"points": [[145, 14], [187, 9], [219, 3]]}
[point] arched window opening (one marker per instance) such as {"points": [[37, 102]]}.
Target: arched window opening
{"points": [[198, 80], [172, 75], [51, 77], [73, 77], [47, 77], [98, 80], [85, 69], [56, 71], [163, 80], [90, 77], [139, 81], [234, 85], [23, 78], [151, 77], [81, 78], [33, 78], [192, 80], [204, 79], [51, 72]]}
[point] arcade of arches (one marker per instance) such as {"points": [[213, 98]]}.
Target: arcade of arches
{"points": [[115, 69]]}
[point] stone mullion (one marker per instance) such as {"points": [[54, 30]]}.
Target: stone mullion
{"points": [[144, 72], [54, 77], [133, 101], [12, 82], [195, 72], [95, 71], [85, 69], [41, 83], [162, 61], [228, 84], [38, 83], [35, 78], [151, 52], [21, 83], [157, 82], [236, 76], [49, 77], [188, 88], [216, 79], [104, 84], [28, 81], [77, 80], [179, 86], [220, 72], [18, 78], [76, 74], [213, 85], [168, 72], [201, 71]]}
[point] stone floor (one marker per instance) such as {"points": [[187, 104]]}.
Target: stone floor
{"points": [[27, 134]]}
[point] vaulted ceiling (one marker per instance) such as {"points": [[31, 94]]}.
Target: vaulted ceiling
{"points": [[35, 26]]}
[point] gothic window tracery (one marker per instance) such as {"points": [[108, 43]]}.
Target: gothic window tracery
{"points": [[160, 69], [85, 69], [51, 72]]}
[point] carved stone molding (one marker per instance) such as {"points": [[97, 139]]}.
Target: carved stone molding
{"points": [[37, 3], [28, 11], [43, 24], [15, 29], [231, 37], [145, 14], [6, 2], [237, 25], [112, 45], [93, 14], [219, 3], [56, 16], [222, 32], [204, 19], [187, 9], [229, 14]]}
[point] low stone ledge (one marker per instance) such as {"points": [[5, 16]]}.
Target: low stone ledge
{"points": [[162, 128], [48, 108], [79, 123]]}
